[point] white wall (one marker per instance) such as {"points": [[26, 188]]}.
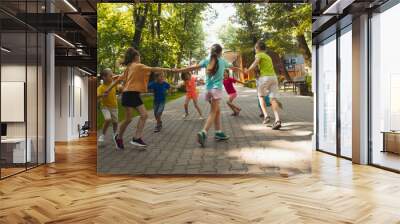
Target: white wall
{"points": [[71, 102]]}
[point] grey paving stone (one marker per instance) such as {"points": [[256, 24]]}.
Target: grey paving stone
{"points": [[252, 149]]}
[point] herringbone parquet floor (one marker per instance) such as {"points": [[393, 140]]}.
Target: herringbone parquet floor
{"points": [[69, 191]]}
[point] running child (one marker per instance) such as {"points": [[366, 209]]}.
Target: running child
{"points": [[267, 83], [160, 88], [191, 93], [135, 78], [108, 103], [230, 89], [268, 103], [215, 66]]}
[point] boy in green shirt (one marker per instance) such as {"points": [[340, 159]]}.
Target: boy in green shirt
{"points": [[267, 83]]}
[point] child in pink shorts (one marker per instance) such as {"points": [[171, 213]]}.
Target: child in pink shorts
{"points": [[215, 66], [230, 89]]}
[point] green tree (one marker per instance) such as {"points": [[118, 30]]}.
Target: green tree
{"points": [[285, 27], [288, 27], [166, 34], [114, 34]]}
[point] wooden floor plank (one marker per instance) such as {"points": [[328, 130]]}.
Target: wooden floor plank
{"points": [[69, 191]]}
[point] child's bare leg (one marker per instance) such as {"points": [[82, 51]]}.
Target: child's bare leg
{"points": [[126, 121], [275, 107], [115, 126], [217, 118], [158, 119], [211, 116], [142, 121], [233, 106], [263, 105], [230, 106], [105, 125], [186, 105], [196, 105]]}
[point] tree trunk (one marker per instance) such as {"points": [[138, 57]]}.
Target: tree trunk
{"points": [[305, 50], [158, 24], [140, 20], [251, 26], [279, 65], [152, 28]]}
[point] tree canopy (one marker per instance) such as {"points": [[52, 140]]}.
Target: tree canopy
{"points": [[286, 28], [165, 34], [171, 35]]}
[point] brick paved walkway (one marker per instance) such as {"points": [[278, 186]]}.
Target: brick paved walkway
{"points": [[252, 149]]}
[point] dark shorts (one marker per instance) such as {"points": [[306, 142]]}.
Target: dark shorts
{"points": [[131, 99], [158, 108]]}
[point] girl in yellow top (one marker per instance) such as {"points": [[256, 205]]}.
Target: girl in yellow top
{"points": [[267, 83], [108, 103], [135, 79]]}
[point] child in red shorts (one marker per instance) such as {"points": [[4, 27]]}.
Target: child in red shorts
{"points": [[191, 93]]}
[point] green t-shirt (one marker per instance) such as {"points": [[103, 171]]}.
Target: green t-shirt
{"points": [[266, 66]]}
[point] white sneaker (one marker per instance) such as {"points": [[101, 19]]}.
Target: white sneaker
{"points": [[101, 138], [185, 116], [201, 118]]}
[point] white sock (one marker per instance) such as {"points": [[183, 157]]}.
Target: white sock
{"points": [[276, 116]]}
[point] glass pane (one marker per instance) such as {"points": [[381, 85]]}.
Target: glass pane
{"points": [[346, 94], [13, 76], [31, 97], [327, 96], [41, 98], [385, 89]]}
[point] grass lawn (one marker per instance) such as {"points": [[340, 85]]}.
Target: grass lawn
{"points": [[148, 103]]}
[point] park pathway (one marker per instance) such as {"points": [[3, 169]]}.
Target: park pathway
{"points": [[253, 147]]}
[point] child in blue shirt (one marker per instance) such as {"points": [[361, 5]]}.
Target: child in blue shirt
{"points": [[160, 88]]}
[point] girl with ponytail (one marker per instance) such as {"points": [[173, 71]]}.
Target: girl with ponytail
{"points": [[212, 67], [135, 78], [215, 66]]}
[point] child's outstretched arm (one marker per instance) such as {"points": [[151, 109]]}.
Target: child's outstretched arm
{"points": [[236, 69], [188, 69], [254, 64], [116, 77], [158, 69], [238, 81], [114, 83]]}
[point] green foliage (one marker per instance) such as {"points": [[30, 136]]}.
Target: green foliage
{"points": [[172, 33], [282, 25], [228, 36], [115, 32], [285, 27], [251, 84]]}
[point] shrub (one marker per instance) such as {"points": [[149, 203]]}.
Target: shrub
{"points": [[250, 84]]}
